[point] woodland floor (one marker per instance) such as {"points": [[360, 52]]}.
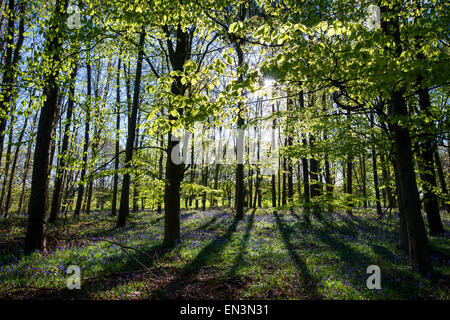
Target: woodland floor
{"points": [[266, 255]]}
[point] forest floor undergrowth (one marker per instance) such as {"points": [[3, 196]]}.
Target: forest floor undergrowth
{"points": [[266, 255]]}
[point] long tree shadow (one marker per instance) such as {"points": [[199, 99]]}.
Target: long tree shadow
{"points": [[212, 222], [177, 284], [239, 260], [139, 261], [296, 215], [358, 260], [136, 225], [118, 269], [132, 224], [287, 232], [185, 215], [359, 226]]}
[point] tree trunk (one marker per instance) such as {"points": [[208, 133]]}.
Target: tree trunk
{"points": [[174, 175], [214, 202], [13, 166], [427, 174], [117, 146], [403, 242], [160, 169], [349, 187], [10, 67], [7, 165], [240, 189], [418, 242], [56, 198], [284, 175], [35, 235], [328, 180], [417, 237], [290, 174], [273, 186], [135, 180], [174, 171], [441, 176], [363, 179], [26, 167], [124, 208], [315, 187], [306, 188], [86, 142], [205, 184], [387, 182], [375, 182], [53, 147]]}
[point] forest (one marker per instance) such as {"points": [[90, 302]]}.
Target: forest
{"points": [[224, 150]]}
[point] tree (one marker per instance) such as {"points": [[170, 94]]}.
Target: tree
{"points": [[178, 55], [35, 236], [56, 198], [86, 138], [117, 150], [124, 208], [10, 65], [418, 243]]}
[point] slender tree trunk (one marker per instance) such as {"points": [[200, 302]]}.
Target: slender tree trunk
{"points": [[426, 169], [315, 187], [117, 150], [299, 178], [328, 180], [135, 180], [216, 184], [290, 173], [90, 191], [387, 182], [26, 167], [7, 166], [273, 186], [204, 181], [13, 166], [344, 178], [192, 173], [258, 179], [160, 165], [375, 178], [284, 175], [375, 182], [53, 147], [86, 141], [94, 152], [363, 179], [441, 176], [240, 188], [5, 95], [56, 198], [10, 66], [306, 187], [124, 208], [349, 187], [403, 242], [279, 163]]}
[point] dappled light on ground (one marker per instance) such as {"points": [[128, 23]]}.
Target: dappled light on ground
{"points": [[266, 255]]}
